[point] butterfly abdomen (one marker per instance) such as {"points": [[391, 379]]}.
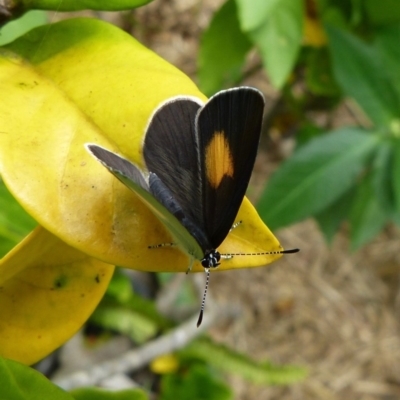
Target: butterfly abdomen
{"points": [[164, 196]]}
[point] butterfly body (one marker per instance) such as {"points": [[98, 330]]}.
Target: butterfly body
{"points": [[165, 197]]}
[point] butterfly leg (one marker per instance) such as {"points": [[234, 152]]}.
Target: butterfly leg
{"points": [[190, 265], [230, 256], [157, 246], [235, 225]]}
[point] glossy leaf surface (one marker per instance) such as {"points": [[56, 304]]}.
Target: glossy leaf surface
{"points": [[47, 291], [91, 82], [19, 382]]}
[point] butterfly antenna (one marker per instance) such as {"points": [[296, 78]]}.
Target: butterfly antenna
{"points": [[203, 302], [290, 251], [265, 253]]}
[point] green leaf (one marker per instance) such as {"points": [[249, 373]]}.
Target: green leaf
{"points": [[74, 5], [330, 218], [227, 360], [335, 15], [6, 244], [315, 176], [148, 309], [120, 287], [19, 382], [396, 175], [123, 311], [120, 294], [319, 74], [387, 44], [101, 394], [197, 382], [223, 36], [18, 27], [361, 73], [279, 39], [138, 327], [15, 223], [367, 217], [306, 132], [253, 13], [381, 12], [382, 175]]}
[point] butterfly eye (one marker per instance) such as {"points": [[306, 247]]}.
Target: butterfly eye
{"points": [[211, 260]]}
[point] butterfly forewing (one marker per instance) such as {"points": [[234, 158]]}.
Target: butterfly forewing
{"points": [[171, 152], [228, 130]]}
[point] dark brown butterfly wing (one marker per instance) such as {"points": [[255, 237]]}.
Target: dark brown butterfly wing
{"points": [[228, 131]]}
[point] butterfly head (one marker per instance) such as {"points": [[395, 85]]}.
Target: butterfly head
{"points": [[211, 259]]}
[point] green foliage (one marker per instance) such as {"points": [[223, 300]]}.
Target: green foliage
{"points": [[15, 223], [19, 382], [18, 27], [196, 382], [226, 360], [101, 394], [318, 73], [274, 27], [360, 72], [200, 362], [331, 217], [278, 39], [132, 324], [315, 176], [215, 69], [395, 176], [334, 49], [381, 12], [382, 168], [279, 29], [350, 174], [125, 312], [366, 216], [74, 5], [386, 47]]}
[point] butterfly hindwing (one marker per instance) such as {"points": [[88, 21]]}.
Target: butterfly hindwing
{"points": [[164, 196], [228, 131], [124, 170], [132, 177]]}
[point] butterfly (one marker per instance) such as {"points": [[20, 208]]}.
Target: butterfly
{"points": [[199, 159]]}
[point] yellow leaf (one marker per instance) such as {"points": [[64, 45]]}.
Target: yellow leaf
{"points": [[47, 291], [91, 82], [164, 364]]}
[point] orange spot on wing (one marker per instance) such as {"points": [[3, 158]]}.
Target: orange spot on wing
{"points": [[219, 160]]}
